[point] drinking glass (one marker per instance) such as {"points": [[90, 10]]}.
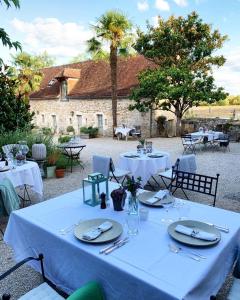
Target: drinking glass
{"points": [[168, 204], [132, 221], [183, 209]]}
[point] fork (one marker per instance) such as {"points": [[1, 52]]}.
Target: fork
{"points": [[173, 248]]}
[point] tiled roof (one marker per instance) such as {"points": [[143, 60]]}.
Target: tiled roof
{"points": [[94, 78]]}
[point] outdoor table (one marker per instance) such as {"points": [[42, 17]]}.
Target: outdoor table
{"points": [[123, 130], [144, 166], [72, 151], [144, 268], [26, 175], [211, 135]]}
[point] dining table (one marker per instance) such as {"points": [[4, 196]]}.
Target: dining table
{"points": [[72, 151], [144, 165], [27, 174], [123, 131], [144, 268], [211, 135]]}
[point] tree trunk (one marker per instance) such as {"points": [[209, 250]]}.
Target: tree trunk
{"points": [[113, 66], [178, 125], [151, 119]]}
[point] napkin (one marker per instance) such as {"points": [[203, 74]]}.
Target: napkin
{"points": [[2, 164], [96, 231], [198, 234], [158, 196]]}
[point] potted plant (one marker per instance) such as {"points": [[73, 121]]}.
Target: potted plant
{"points": [[61, 165], [52, 158]]}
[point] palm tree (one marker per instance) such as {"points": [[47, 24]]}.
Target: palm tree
{"points": [[112, 27]]}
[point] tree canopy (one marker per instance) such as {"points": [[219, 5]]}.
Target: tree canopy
{"points": [[27, 71], [183, 52], [14, 112], [4, 37]]}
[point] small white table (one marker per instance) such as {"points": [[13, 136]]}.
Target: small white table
{"points": [[142, 269], [144, 166], [123, 130], [27, 174]]}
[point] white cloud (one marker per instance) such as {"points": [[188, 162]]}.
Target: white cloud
{"points": [[228, 76], [63, 40], [142, 5], [181, 2], [162, 5]]}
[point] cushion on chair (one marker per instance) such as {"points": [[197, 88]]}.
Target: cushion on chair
{"points": [[42, 292], [234, 293], [90, 291]]}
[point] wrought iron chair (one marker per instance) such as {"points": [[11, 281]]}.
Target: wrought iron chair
{"points": [[168, 174], [117, 174], [47, 290], [136, 132], [189, 144], [223, 141], [194, 182]]}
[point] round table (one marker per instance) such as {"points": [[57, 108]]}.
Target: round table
{"points": [[211, 135], [27, 174], [72, 151], [144, 166]]}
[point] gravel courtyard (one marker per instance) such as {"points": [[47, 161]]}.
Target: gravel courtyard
{"points": [[227, 164]]}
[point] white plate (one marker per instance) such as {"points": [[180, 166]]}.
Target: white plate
{"points": [[105, 237]]}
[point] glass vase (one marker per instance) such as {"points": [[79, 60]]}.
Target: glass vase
{"points": [[132, 215]]}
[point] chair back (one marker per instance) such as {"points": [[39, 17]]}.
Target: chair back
{"points": [[187, 163], [195, 182], [101, 164], [8, 148], [186, 138], [9, 198]]}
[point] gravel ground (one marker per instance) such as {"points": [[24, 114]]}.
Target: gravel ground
{"points": [[227, 164]]}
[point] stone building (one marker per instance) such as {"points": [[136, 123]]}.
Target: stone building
{"points": [[79, 94]]}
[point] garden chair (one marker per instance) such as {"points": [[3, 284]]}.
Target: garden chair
{"points": [[118, 174], [189, 144], [48, 291], [194, 182], [184, 163], [223, 141], [9, 200], [136, 132]]}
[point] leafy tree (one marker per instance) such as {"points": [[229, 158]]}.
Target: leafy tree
{"points": [[78, 58], [4, 37], [27, 71], [112, 27], [183, 52], [14, 112]]}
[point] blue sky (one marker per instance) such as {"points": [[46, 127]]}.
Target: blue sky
{"points": [[62, 27]]}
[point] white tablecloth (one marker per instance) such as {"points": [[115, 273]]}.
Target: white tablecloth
{"points": [[211, 135], [28, 174], [123, 130], [142, 269], [144, 166]]}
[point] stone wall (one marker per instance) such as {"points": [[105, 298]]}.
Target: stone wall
{"points": [[58, 115]]}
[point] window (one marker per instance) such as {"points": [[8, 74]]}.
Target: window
{"points": [[54, 123], [43, 119], [79, 122], [63, 90]]}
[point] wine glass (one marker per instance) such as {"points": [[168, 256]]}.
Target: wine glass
{"points": [[168, 204]]}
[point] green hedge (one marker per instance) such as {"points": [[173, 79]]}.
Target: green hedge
{"points": [[92, 131]]}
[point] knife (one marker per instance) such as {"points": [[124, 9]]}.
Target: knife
{"points": [[112, 245], [116, 246], [221, 228]]}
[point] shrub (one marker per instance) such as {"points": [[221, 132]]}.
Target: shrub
{"points": [[47, 131], [70, 129], [62, 162], [64, 139], [92, 131]]}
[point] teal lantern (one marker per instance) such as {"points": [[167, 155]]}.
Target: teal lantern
{"points": [[93, 186]]}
